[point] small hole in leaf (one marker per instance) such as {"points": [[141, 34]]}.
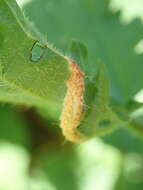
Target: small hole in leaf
{"points": [[104, 123], [37, 52]]}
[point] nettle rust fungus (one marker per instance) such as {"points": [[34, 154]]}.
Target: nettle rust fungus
{"points": [[73, 109]]}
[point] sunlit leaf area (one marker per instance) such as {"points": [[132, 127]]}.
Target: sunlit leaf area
{"points": [[38, 39]]}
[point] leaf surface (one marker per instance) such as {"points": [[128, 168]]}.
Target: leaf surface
{"points": [[106, 38], [39, 83]]}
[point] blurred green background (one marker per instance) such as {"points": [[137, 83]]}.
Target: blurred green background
{"points": [[33, 155]]}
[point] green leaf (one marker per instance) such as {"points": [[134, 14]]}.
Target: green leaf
{"points": [[35, 74], [39, 82], [125, 140], [13, 128], [100, 119], [102, 32]]}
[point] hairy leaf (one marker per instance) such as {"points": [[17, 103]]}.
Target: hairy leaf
{"points": [[23, 80], [105, 37], [35, 74]]}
